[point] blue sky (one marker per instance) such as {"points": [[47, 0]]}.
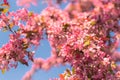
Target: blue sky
{"points": [[43, 51]]}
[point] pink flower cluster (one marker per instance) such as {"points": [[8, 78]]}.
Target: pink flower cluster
{"points": [[79, 35], [26, 3]]}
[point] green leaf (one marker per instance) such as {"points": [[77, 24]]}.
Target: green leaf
{"points": [[93, 22], [87, 43], [30, 13], [5, 8], [73, 70], [3, 71], [68, 72]]}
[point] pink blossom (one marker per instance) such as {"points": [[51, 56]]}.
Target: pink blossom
{"points": [[2, 24], [26, 3], [79, 35]]}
